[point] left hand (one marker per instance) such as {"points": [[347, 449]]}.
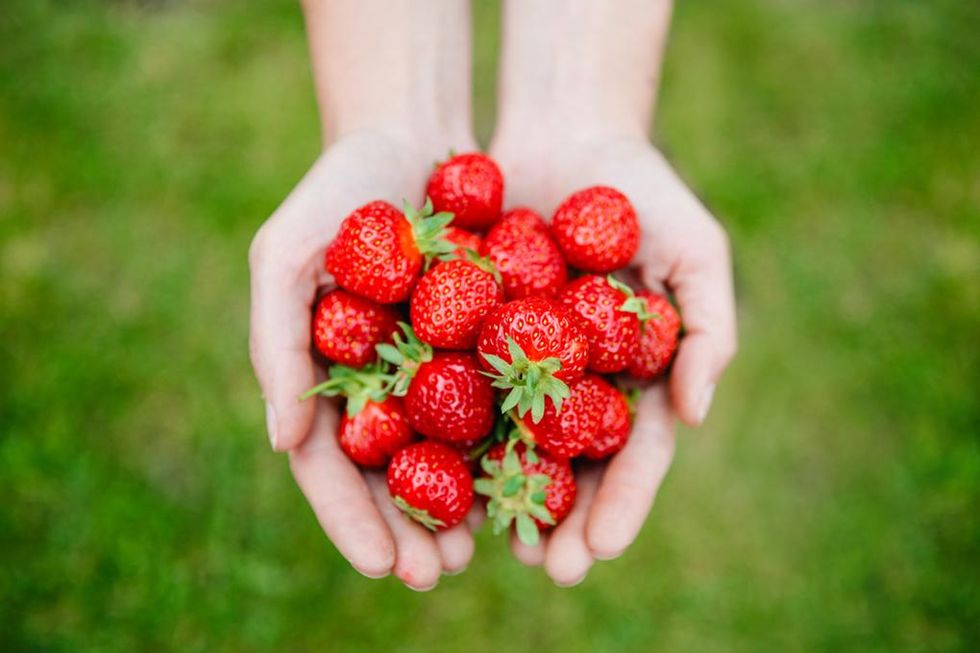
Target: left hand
{"points": [[684, 250]]}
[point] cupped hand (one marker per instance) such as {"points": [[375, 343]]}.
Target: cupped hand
{"points": [[684, 250], [286, 261]]}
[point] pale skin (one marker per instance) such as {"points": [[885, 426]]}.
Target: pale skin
{"points": [[576, 94]]}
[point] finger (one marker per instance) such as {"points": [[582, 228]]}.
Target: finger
{"points": [[340, 498], [476, 516], [702, 284], [532, 556], [568, 558], [279, 340], [418, 562], [455, 548], [632, 477]]}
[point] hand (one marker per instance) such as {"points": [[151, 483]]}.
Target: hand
{"points": [[286, 261], [683, 250]]}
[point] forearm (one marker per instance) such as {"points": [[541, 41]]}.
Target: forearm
{"points": [[397, 65], [587, 65]]}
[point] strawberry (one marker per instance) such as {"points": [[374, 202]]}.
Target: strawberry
{"points": [[567, 431], [452, 300], [447, 397], [379, 251], [529, 261], [531, 489], [471, 187], [371, 436], [615, 425], [463, 240], [347, 327], [658, 339], [612, 316], [431, 483], [596, 229], [374, 424], [533, 347]]}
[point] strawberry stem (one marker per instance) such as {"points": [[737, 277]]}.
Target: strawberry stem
{"points": [[633, 304], [421, 516], [429, 230], [529, 382], [407, 355], [514, 497], [359, 386]]}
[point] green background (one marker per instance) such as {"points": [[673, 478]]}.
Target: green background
{"points": [[830, 502]]}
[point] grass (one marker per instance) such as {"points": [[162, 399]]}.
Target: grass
{"points": [[830, 503]]}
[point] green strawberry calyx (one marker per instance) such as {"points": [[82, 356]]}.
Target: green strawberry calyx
{"points": [[514, 497], [421, 516], [370, 383], [529, 382], [407, 355], [429, 230], [633, 304], [472, 256]]}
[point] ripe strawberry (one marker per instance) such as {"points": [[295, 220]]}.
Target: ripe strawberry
{"points": [[373, 435], [347, 327], [463, 240], [615, 426], [568, 431], [658, 339], [447, 397], [452, 300], [471, 187], [374, 425], [431, 484], [379, 251], [533, 347], [529, 261], [596, 229], [531, 489], [612, 316]]}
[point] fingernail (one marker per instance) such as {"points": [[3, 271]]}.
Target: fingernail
{"points": [[606, 556], [422, 589], [455, 572], [705, 406], [572, 584], [372, 576], [271, 425]]}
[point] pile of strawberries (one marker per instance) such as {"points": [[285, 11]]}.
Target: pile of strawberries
{"points": [[499, 371]]}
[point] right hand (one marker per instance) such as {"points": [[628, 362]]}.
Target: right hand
{"points": [[286, 263]]}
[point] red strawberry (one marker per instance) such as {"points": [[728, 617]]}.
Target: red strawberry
{"points": [[378, 252], [463, 240], [432, 484], [451, 302], [447, 397], [347, 327], [596, 229], [612, 316], [374, 434], [568, 431], [374, 425], [529, 261], [533, 347], [658, 339], [471, 187], [615, 426], [529, 488]]}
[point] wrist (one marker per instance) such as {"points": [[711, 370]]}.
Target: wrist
{"points": [[400, 68]]}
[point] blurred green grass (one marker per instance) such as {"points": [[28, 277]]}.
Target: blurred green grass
{"points": [[830, 503]]}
